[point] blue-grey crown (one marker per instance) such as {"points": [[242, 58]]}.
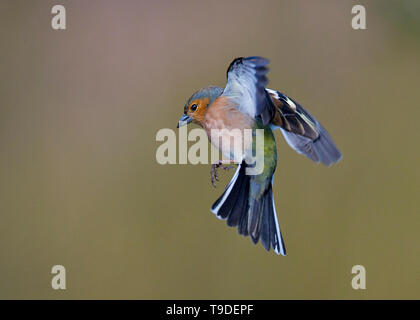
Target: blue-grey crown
{"points": [[211, 92]]}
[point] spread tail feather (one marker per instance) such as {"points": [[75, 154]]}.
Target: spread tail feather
{"points": [[254, 217]]}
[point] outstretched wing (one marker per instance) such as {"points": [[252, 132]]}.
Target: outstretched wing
{"points": [[290, 116], [245, 87], [302, 131]]}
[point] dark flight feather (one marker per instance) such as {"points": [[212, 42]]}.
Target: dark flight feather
{"points": [[302, 131]]}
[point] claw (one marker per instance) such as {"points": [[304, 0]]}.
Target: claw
{"points": [[213, 172], [213, 175]]}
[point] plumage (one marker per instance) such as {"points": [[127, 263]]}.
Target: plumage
{"points": [[246, 81], [247, 202]]}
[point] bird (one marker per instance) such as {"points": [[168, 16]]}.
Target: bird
{"points": [[245, 103]]}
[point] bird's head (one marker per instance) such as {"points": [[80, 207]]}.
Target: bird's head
{"points": [[197, 105]]}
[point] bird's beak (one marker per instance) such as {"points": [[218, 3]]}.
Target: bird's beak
{"points": [[184, 120]]}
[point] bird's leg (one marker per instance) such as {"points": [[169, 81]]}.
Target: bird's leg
{"points": [[221, 164]]}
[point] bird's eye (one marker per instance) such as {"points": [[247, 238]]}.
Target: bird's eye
{"points": [[193, 107]]}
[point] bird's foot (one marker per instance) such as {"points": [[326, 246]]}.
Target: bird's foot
{"points": [[213, 172]]}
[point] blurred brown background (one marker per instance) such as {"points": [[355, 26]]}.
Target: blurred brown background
{"points": [[80, 186]]}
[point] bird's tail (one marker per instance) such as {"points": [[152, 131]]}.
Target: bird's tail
{"points": [[254, 217]]}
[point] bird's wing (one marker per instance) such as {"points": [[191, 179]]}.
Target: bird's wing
{"points": [[291, 117], [245, 87], [302, 131]]}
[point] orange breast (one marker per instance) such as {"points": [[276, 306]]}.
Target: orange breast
{"points": [[221, 115]]}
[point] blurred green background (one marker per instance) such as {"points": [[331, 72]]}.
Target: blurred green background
{"points": [[80, 186]]}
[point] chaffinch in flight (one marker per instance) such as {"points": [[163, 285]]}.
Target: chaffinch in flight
{"points": [[245, 103]]}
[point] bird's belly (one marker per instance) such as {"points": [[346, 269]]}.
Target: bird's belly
{"points": [[232, 135]]}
